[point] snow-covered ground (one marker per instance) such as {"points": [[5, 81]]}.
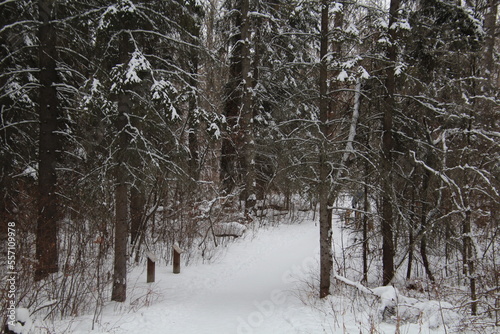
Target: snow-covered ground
{"points": [[262, 283]]}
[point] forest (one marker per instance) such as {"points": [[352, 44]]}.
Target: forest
{"points": [[131, 126]]}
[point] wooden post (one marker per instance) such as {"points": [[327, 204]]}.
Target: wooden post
{"points": [[347, 217], [357, 219], [177, 258], [151, 267]]}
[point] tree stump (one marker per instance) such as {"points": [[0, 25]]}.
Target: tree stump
{"points": [[177, 259], [151, 267]]}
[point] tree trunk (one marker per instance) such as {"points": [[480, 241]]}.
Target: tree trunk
{"points": [[387, 147], [423, 243], [365, 228], [247, 110], [137, 214], [119, 292], [410, 253], [469, 255], [423, 221], [230, 162], [49, 146], [325, 213], [193, 143], [490, 29]]}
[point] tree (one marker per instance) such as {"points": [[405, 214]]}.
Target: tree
{"points": [[247, 110], [449, 153], [325, 213], [151, 81], [49, 144], [19, 121], [231, 165], [387, 148]]}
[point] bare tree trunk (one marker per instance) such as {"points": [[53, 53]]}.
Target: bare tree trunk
{"points": [[137, 214], [490, 27], [49, 146], [365, 228], [423, 222], [325, 213], [387, 241], [247, 110], [119, 292], [137, 190], [423, 244], [469, 256], [469, 265], [410, 253], [193, 142], [213, 92], [230, 162], [425, 259], [490, 24], [387, 147]]}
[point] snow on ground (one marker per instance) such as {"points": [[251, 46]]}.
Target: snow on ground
{"points": [[261, 284]]}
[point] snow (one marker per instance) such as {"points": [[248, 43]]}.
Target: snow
{"points": [[363, 73], [233, 228], [23, 322], [250, 290], [384, 40], [401, 25], [122, 6], [214, 128], [96, 86], [263, 282], [351, 29], [137, 63], [22, 314], [388, 298], [31, 171], [17, 93], [337, 7], [434, 313], [399, 69], [342, 76]]}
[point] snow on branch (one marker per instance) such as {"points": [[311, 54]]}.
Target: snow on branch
{"points": [[357, 285], [394, 305], [441, 175]]}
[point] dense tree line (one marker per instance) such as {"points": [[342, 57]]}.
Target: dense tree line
{"points": [[129, 126]]}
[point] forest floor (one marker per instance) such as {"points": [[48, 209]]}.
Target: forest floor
{"points": [[263, 282]]}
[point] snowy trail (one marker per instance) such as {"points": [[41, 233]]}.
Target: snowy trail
{"points": [[255, 284], [249, 290], [252, 288]]}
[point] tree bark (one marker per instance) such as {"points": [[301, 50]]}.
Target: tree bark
{"points": [[410, 253], [490, 29], [365, 227], [247, 110], [230, 162], [469, 265], [49, 146], [387, 147], [119, 292], [193, 118], [325, 213], [423, 220], [423, 244], [137, 215]]}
